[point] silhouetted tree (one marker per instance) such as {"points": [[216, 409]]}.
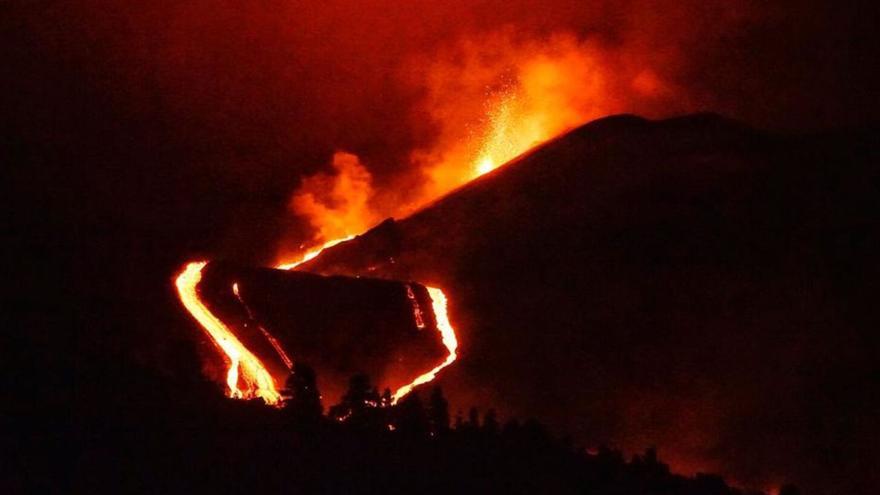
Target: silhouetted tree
{"points": [[490, 422], [473, 418], [304, 402], [438, 410], [789, 489], [511, 428], [359, 455], [360, 398], [385, 400], [608, 462], [649, 466], [411, 417], [710, 484]]}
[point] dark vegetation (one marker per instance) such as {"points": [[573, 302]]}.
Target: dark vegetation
{"points": [[184, 437]]}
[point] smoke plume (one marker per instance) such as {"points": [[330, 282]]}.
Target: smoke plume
{"points": [[337, 205]]}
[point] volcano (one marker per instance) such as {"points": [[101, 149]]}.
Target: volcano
{"points": [[635, 282], [631, 282]]}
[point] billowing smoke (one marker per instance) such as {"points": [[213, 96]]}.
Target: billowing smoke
{"points": [[497, 95], [429, 99], [337, 205], [490, 97], [254, 97]]}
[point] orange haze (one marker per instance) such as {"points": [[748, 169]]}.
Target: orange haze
{"points": [[496, 96], [491, 98], [244, 366]]}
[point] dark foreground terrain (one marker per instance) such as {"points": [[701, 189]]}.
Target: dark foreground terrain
{"points": [[208, 444]]}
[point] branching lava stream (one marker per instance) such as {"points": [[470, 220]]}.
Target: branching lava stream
{"points": [[245, 366]]}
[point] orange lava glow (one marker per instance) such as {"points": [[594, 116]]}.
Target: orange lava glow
{"points": [[490, 99], [438, 302], [272, 340], [503, 141], [336, 205], [497, 96], [243, 365], [312, 254]]}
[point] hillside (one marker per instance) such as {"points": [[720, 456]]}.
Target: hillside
{"points": [[704, 286]]}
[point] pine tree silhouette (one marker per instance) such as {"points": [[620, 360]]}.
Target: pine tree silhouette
{"points": [[411, 417], [357, 403], [304, 402], [438, 411]]}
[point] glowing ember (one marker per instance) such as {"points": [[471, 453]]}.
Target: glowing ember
{"points": [[243, 365], [503, 140]]}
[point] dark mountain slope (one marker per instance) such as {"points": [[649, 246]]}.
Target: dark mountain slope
{"points": [[690, 283]]}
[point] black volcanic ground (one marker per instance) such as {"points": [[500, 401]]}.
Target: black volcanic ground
{"points": [[689, 283]]}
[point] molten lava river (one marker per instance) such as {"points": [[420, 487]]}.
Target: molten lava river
{"points": [[247, 377]]}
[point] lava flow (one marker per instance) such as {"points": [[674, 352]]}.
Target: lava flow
{"points": [[438, 304], [313, 253], [243, 365], [272, 340]]}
